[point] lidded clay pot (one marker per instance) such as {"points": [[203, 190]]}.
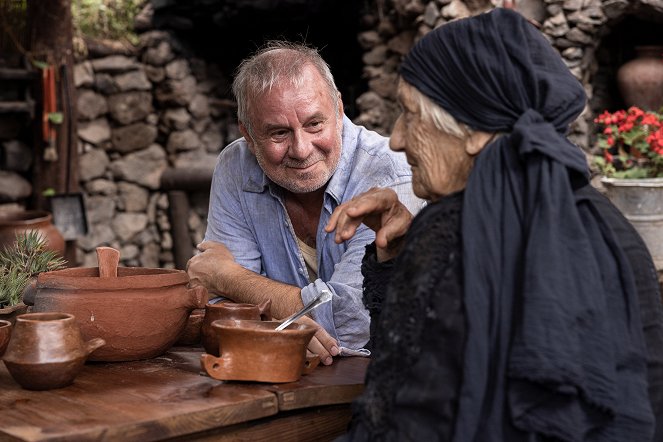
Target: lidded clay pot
{"points": [[140, 312], [256, 351], [47, 350], [230, 310]]}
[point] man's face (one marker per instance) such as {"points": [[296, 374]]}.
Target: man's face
{"points": [[439, 161], [297, 133]]}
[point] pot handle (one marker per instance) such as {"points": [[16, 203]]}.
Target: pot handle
{"points": [[198, 297], [108, 259], [93, 344], [29, 292], [215, 367], [265, 309], [310, 363]]}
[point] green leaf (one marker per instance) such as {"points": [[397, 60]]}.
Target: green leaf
{"points": [[40, 64], [55, 117]]}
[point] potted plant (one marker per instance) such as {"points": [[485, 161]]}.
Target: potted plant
{"points": [[631, 161], [19, 264]]}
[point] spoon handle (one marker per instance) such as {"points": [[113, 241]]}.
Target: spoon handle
{"points": [[324, 296]]}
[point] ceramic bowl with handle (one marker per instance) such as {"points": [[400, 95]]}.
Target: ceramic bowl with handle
{"points": [[139, 312], [256, 351]]}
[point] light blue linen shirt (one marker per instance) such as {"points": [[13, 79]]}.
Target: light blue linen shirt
{"points": [[247, 214]]}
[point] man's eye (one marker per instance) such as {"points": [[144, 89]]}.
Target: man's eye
{"points": [[279, 133]]}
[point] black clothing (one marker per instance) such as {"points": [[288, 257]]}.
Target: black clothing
{"points": [[413, 380], [570, 367], [417, 332]]}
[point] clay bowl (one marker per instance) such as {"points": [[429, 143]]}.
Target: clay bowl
{"points": [[47, 350], [139, 312], [255, 351], [230, 310], [5, 334]]}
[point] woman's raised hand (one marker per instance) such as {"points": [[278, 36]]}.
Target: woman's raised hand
{"points": [[381, 211]]}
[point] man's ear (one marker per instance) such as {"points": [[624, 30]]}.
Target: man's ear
{"points": [[249, 140], [477, 141]]}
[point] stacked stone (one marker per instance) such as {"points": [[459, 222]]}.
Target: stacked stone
{"points": [[573, 27], [140, 112]]}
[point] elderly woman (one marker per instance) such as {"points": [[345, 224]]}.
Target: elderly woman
{"points": [[509, 308]]}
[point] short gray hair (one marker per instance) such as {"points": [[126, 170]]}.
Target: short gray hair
{"points": [[276, 61], [442, 119]]}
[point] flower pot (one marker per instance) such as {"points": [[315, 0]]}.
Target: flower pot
{"points": [[641, 202], [10, 313], [640, 80], [14, 223]]}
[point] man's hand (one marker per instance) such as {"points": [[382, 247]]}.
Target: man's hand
{"points": [[322, 343], [207, 267], [382, 212]]}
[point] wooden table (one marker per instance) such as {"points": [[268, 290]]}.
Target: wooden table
{"points": [[169, 398]]}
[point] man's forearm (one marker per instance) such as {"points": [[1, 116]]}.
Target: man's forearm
{"points": [[242, 285]]}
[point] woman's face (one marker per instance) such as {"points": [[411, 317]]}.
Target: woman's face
{"points": [[440, 161]]}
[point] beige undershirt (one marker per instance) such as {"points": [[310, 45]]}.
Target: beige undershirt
{"points": [[310, 259]]}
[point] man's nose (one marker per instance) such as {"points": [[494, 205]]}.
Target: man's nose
{"points": [[301, 146]]}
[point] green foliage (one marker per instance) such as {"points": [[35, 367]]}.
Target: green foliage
{"points": [[109, 19], [25, 259]]}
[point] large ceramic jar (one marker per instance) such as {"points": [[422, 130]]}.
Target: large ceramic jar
{"points": [[640, 80], [14, 223]]}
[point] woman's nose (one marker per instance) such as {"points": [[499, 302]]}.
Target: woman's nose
{"points": [[397, 139]]}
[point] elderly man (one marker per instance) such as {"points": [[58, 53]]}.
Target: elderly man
{"points": [[274, 190]]}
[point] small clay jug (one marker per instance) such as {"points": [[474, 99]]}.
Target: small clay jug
{"points": [[256, 351], [230, 310], [47, 351], [640, 80], [5, 334]]}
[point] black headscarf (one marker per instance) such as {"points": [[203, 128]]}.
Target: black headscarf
{"points": [[555, 344]]}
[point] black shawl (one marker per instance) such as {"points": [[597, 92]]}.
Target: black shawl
{"points": [[554, 344]]}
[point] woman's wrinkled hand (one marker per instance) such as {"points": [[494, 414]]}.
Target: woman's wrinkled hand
{"points": [[382, 212]]}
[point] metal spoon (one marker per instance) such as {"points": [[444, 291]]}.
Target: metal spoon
{"points": [[324, 296]]}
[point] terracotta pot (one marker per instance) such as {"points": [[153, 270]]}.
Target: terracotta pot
{"points": [[47, 350], [14, 223], [140, 312], [192, 330], [640, 80], [255, 351], [10, 313], [5, 334], [230, 310]]}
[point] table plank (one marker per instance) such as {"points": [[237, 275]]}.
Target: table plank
{"points": [[338, 383], [142, 400]]}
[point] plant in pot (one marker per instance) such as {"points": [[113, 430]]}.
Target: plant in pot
{"points": [[631, 161], [19, 264]]}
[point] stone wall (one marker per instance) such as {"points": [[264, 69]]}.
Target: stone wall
{"points": [[142, 110], [148, 108], [574, 27]]}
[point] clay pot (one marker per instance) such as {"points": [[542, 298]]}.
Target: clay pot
{"points": [[192, 330], [10, 313], [640, 80], [47, 350], [255, 351], [14, 223], [140, 312], [227, 311], [5, 334]]}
